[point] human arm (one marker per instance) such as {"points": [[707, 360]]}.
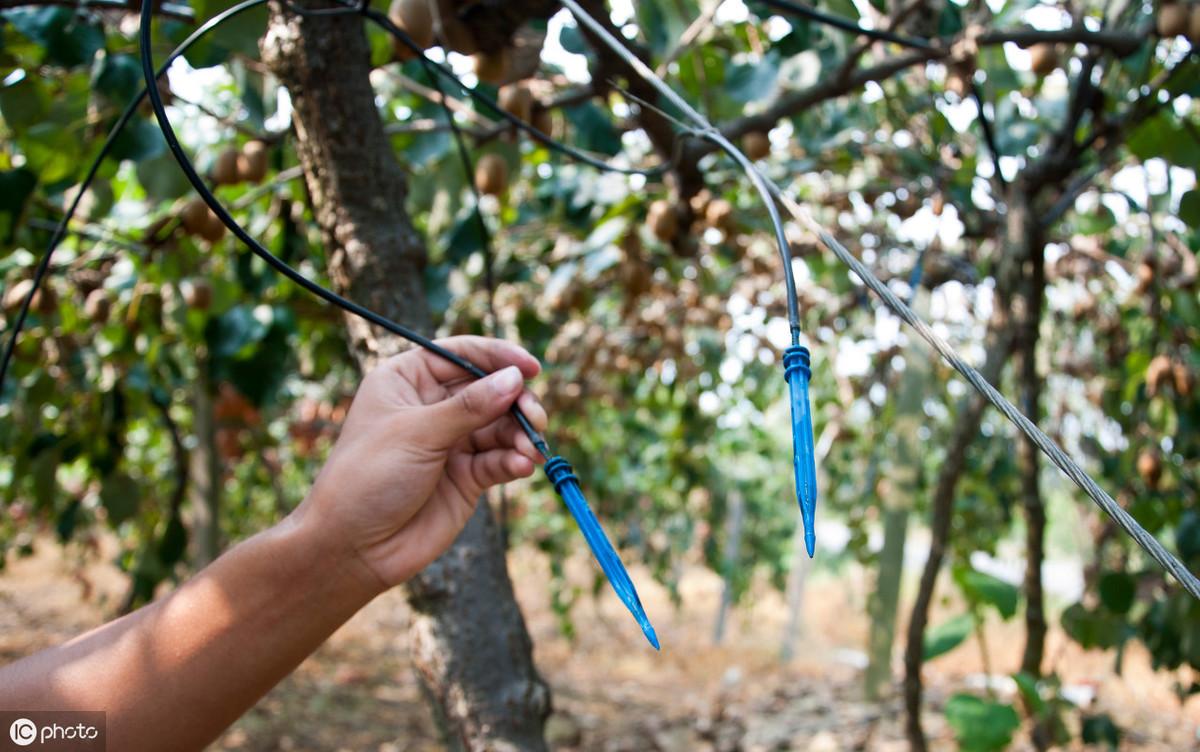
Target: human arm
{"points": [[419, 445]]}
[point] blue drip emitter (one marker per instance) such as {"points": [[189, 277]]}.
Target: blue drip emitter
{"points": [[798, 372], [566, 484]]}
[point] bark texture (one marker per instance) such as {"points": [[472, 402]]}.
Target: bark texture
{"points": [[468, 638], [1029, 457]]}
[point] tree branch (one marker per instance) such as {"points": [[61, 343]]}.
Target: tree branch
{"points": [[165, 10]]}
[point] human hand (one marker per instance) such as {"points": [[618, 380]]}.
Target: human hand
{"points": [[420, 443]]}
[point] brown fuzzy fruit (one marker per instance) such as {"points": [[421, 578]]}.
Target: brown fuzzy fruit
{"points": [[491, 175], [415, 18], [456, 34], [225, 168], [194, 216], [957, 84], [1145, 277], [543, 120], [252, 162], [15, 296], [213, 229], [516, 100], [197, 293], [1157, 374], [719, 214], [1043, 59], [1173, 20], [663, 221], [1184, 381], [1149, 466], [756, 145], [493, 67], [1194, 25], [98, 306]]}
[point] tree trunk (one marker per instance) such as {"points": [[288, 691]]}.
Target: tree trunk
{"points": [[904, 477], [885, 600], [733, 544], [1029, 456], [469, 642], [970, 414]]}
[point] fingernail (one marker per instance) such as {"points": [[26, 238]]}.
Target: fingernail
{"points": [[507, 380]]}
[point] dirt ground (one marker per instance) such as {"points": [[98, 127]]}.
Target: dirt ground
{"points": [[611, 691]]}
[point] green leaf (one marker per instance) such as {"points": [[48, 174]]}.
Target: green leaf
{"points": [[980, 725], [1187, 535], [948, 635], [140, 139], [1117, 590], [1189, 208], [984, 589], [1100, 729], [161, 177], [594, 128], [1027, 685], [67, 521], [118, 78], [1093, 629], [15, 188], [24, 104], [68, 39], [233, 332], [120, 496], [752, 82], [1164, 136]]}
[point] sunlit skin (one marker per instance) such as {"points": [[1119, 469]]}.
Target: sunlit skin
{"points": [[420, 444]]}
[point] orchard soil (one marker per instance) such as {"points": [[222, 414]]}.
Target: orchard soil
{"points": [[611, 691]]}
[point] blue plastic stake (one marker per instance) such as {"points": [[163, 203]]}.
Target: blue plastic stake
{"points": [[797, 371], [566, 484]]}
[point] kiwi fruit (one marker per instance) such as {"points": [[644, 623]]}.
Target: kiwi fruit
{"points": [[663, 221], [415, 18], [1174, 19], [197, 293], [97, 306], [1194, 25], [756, 145], [543, 119], [1043, 59], [225, 168], [1157, 374], [719, 214], [15, 296], [1149, 466], [491, 175], [516, 100], [493, 67], [454, 33], [252, 162], [194, 216]]}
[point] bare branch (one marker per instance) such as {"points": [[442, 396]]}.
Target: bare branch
{"points": [[165, 10]]}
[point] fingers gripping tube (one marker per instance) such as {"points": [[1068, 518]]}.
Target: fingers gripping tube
{"points": [[797, 371], [566, 484]]}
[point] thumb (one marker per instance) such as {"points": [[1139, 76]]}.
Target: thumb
{"points": [[474, 407]]}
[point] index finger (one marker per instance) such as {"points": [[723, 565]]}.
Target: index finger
{"points": [[487, 353]]}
